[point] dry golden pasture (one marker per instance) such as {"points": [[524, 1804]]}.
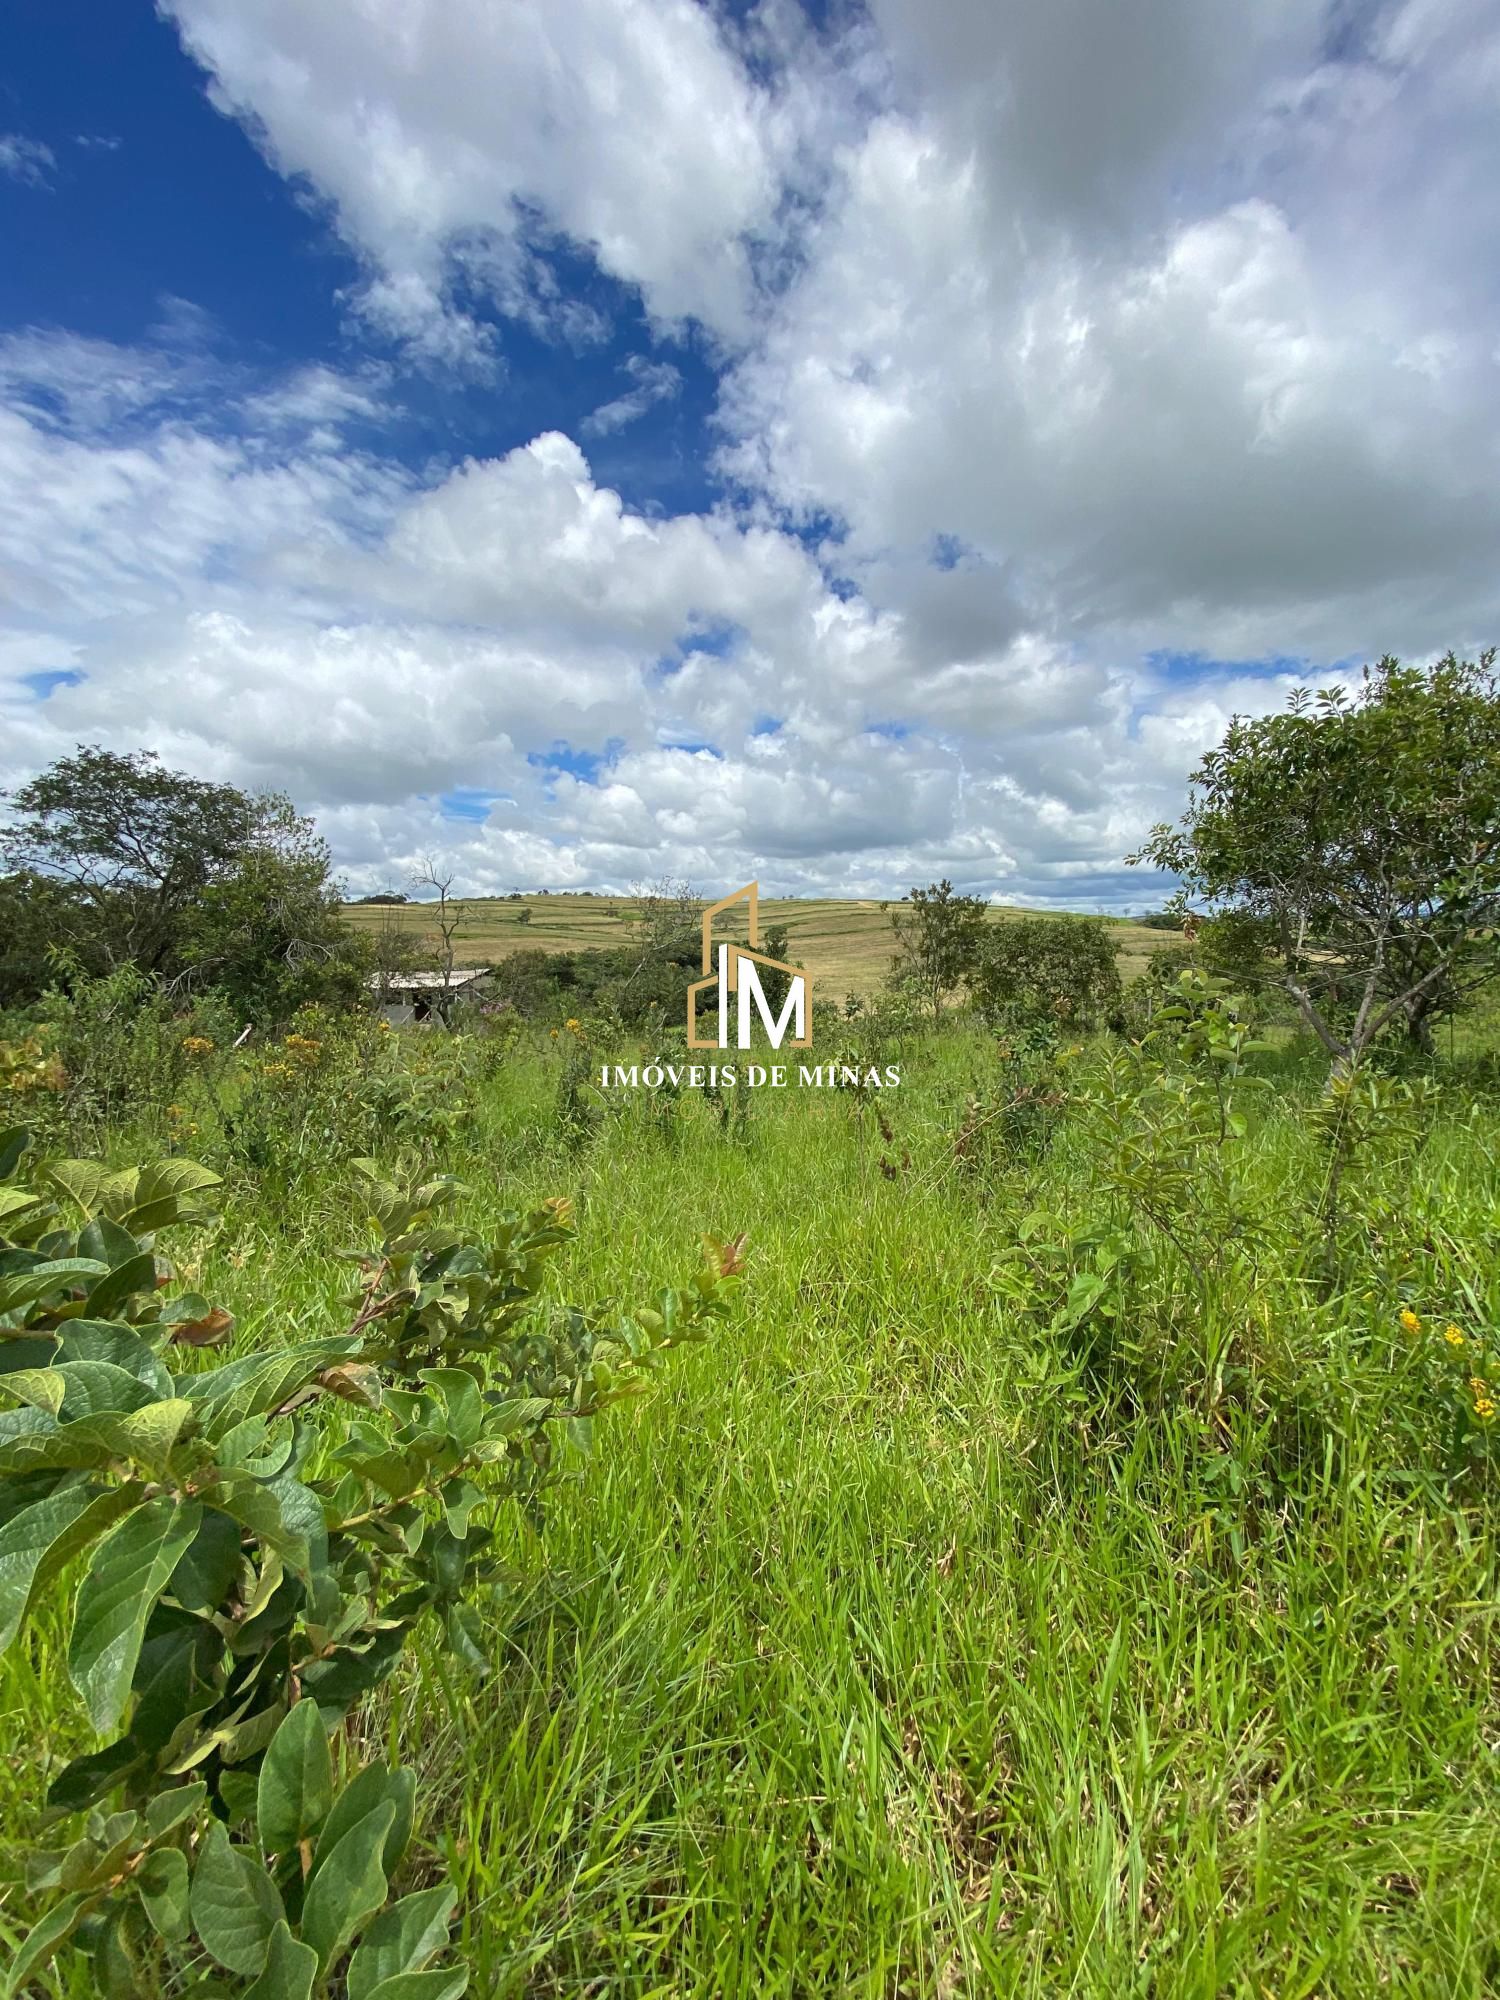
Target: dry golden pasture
{"points": [[844, 946]]}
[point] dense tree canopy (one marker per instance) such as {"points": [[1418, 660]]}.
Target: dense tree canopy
{"points": [[1353, 846], [119, 861], [1058, 966]]}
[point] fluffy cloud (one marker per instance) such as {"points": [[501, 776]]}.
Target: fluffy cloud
{"points": [[450, 139], [1215, 430], [1064, 353]]}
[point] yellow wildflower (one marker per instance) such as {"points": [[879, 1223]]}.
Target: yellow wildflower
{"points": [[1410, 1321], [197, 1045], [1453, 1337], [1484, 1407]]}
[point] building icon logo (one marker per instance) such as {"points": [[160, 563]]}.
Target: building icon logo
{"points": [[730, 969]]}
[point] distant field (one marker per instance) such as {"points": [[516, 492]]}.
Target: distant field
{"points": [[844, 946]]}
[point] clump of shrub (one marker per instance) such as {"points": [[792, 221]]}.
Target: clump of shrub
{"points": [[122, 1051], [345, 1083], [1046, 968], [251, 1545], [1017, 1117]]}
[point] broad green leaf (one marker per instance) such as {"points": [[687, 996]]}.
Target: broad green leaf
{"points": [[302, 1511], [176, 1683], [45, 1936], [237, 1790], [437, 1985], [137, 1274], [235, 1904], [106, 1340], [346, 1676], [402, 1939], [18, 1424], [13, 1200], [86, 1780], [144, 1436], [257, 1508], [107, 1241], [296, 1781], [375, 1785], [290, 1969], [209, 1565], [464, 1631], [24, 1288], [349, 1887], [247, 1738], [127, 1574], [38, 1388], [505, 1419], [87, 1183], [162, 1885], [25, 1350], [169, 1809], [100, 1388], [94, 1858], [163, 1194], [460, 1392], [226, 1396], [35, 1543]]}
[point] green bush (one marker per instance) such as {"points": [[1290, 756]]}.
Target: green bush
{"points": [[257, 1541], [1062, 968], [126, 1048]]}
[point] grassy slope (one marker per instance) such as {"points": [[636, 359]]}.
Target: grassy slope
{"points": [[843, 945], [876, 1656]]}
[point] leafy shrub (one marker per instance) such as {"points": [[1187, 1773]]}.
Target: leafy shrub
{"points": [[33, 1083], [1161, 1113], [126, 1048], [1455, 1371], [342, 1084], [250, 1570], [1019, 1116], [1062, 968]]}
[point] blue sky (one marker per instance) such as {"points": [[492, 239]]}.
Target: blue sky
{"points": [[157, 201], [844, 443]]}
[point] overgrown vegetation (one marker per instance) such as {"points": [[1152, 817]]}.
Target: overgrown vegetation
{"points": [[253, 1569], [1073, 1572]]}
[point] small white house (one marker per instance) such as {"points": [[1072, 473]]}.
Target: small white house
{"points": [[425, 999]]}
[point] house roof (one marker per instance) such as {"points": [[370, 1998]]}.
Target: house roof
{"points": [[420, 982]]}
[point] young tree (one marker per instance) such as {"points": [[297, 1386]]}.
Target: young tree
{"points": [[1357, 839], [1058, 966], [937, 941]]}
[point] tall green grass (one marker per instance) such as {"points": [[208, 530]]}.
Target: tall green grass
{"points": [[901, 1644]]}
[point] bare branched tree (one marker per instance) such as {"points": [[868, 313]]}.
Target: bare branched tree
{"points": [[668, 912], [448, 921]]}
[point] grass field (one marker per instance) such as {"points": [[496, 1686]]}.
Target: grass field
{"points": [[909, 1643], [845, 946]]}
